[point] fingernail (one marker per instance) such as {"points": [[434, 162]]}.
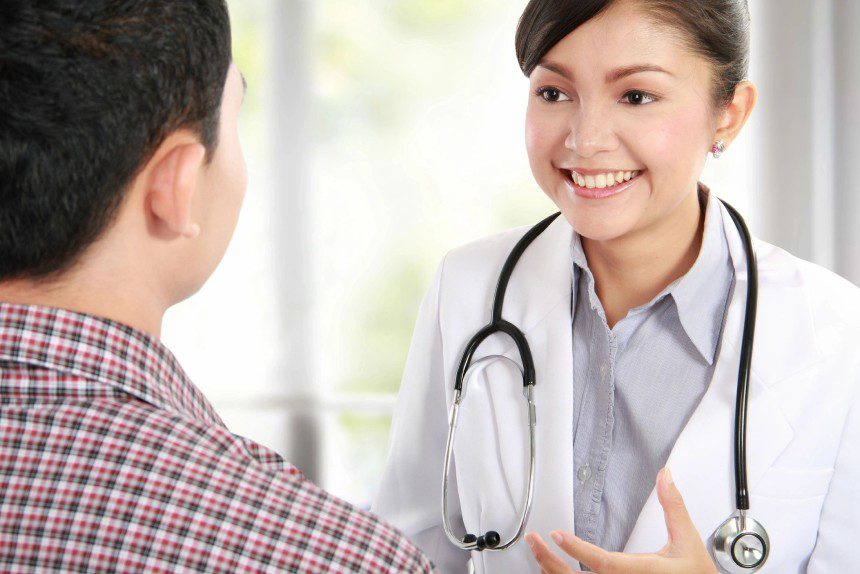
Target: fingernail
{"points": [[669, 479], [530, 541], [557, 537]]}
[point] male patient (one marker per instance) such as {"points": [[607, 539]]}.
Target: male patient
{"points": [[121, 178]]}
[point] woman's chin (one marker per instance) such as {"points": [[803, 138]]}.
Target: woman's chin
{"points": [[600, 220], [596, 223], [599, 231]]}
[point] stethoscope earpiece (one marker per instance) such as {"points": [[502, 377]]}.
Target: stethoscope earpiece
{"points": [[488, 541]]}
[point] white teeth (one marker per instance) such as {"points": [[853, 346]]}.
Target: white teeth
{"points": [[602, 180]]}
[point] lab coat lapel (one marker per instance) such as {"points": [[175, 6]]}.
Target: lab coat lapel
{"points": [[702, 460], [538, 301]]}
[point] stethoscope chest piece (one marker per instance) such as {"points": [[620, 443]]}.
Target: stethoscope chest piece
{"points": [[740, 544]]}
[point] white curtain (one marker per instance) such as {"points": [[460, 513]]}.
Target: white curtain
{"points": [[806, 63]]}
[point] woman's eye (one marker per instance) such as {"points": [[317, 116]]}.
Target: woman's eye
{"points": [[552, 94], [638, 98]]}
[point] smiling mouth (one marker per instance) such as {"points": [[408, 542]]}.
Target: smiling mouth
{"points": [[602, 185]]}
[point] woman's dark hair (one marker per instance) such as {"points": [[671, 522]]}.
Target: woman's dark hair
{"points": [[88, 91], [718, 30]]}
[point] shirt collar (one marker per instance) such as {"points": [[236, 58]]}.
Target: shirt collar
{"points": [[700, 295], [103, 351]]}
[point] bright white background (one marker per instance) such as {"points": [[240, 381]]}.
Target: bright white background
{"points": [[381, 134]]}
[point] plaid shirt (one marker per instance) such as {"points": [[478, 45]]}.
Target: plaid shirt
{"points": [[112, 460]]}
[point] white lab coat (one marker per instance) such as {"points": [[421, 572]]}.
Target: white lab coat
{"points": [[803, 428]]}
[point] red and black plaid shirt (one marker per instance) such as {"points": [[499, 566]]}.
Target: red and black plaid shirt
{"points": [[112, 460]]}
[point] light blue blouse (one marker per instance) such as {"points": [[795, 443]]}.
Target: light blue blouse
{"points": [[636, 385]]}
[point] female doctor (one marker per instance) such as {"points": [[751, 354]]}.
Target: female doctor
{"points": [[633, 304]]}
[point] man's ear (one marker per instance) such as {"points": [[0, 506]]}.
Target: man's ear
{"points": [[735, 115], [172, 179]]}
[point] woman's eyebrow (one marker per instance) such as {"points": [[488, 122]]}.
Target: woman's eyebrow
{"points": [[620, 73], [559, 69], [612, 76]]}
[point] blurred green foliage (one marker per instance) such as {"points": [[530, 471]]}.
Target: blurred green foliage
{"points": [[383, 327], [427, 16], [377, 65], [364, 452], [371, 57]]}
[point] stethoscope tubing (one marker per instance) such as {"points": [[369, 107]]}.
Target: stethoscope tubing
{"points": [[745, 366], [499, 325], [473, 543]]}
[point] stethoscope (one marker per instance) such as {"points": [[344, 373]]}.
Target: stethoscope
{"points": [[740, 544]]}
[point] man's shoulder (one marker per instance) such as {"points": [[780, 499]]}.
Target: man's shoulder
{"points": [[284, 520], [190, 493]]}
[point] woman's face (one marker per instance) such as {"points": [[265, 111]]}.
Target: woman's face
{"points": [[620, 95]]}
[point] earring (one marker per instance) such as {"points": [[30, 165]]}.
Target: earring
{"points": [[718, 148]]}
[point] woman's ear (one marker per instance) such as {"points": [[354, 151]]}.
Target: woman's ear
{"points": [[735, 115], [173, 173]]}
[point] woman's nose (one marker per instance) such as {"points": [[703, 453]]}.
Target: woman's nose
{"points": [[590, 133]]}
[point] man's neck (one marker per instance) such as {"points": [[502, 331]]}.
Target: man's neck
{"points": [[631, 271], [108, 299]]}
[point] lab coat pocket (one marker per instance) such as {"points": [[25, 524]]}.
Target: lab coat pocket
{"points": [[793, 483], [788, 501]]}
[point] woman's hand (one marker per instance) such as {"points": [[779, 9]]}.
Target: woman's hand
{"points": [[683, 554]]}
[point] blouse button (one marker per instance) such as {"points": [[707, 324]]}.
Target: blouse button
{"points": [[584, 473]]}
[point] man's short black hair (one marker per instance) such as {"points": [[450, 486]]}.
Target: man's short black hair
{"points": [[88, 91]]}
